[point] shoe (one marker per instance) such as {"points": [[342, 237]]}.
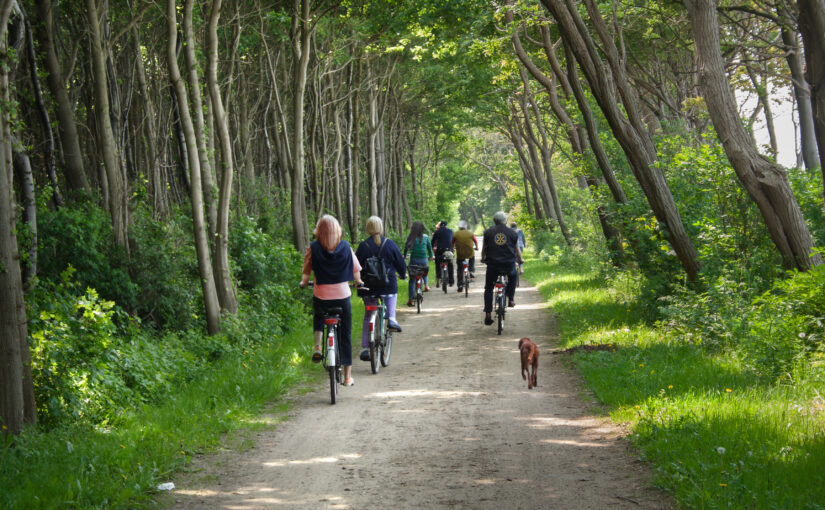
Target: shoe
{"points": [[317, 355], [410, 304], [426, 289], [349, 382], [460, 288], [511, 304], [488, 320], [452, 283], [365, 355], [393, 326]]}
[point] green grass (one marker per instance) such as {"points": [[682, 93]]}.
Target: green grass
{"points": [[119, 466], [716, 435]]}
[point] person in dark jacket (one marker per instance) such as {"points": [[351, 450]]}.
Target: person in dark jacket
{"points": [[377, 245], [334, 264], [443, 242], [500, 252]]}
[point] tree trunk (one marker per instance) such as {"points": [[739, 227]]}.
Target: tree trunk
{"points": [[17, 406], [210, 297], [116, 203], [606, 80], [812, 28], [766, 183], [209, 195], [300, 34], [225, 288], [802, 94], [66, 128]]}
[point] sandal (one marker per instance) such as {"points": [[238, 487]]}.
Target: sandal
{"points": [[317, 355]]}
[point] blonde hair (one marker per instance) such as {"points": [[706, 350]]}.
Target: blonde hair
{"points": [[375, 227], [328, 232]]}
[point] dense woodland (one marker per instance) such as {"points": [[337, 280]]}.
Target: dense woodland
{"points": [[163, 164]]}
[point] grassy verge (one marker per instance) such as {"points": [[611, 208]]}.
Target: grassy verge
{"points": [[716, 435], [119, 467]]}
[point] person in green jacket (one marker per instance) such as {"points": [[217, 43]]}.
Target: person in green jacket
{"points": [[420, 250]]}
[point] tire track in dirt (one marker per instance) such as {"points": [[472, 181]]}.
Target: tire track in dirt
{"points": [[449, 423]]}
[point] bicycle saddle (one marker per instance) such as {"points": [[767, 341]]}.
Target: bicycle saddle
{"points": [[336, 310]]}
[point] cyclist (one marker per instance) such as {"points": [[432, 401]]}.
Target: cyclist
{"points": [[465, 244], [443, 242], [334, 264], [522, 242], [387, 250], [420, 250], [499, 250]]}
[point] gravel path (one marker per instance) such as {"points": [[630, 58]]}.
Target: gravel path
{"points": [[450, 423]]}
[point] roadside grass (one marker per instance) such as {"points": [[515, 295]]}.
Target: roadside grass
{"points": [[716, 435], [119, 466]]}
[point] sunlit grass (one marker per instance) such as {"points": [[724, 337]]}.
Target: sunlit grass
{"points": [[119, 466], [716, 435]]}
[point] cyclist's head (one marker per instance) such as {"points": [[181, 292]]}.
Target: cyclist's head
{"points": [[328, 232], [500, 218], [513, 224], [462, 225], [442, 223], [375, 227], [416, 232]]}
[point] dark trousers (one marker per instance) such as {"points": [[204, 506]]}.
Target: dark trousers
{"points": [[493, 270], [439, 256], [344, 325], [459, 269]]}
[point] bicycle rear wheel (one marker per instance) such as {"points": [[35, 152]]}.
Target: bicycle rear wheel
{"points": [[374, 354], [500, 317], [418, 300], [444, 280], [333, 385], [466, 285], [386, 347]]}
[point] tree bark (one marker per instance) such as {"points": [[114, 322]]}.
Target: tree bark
{"points": [[802, 94], [210, 296], [812, 28], [116, 203], [66, 128], [766, 183], [300, 35], [225, 287], [17, 406]]}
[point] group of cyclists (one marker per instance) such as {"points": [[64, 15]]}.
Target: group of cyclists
{"points": [[334, 264]]}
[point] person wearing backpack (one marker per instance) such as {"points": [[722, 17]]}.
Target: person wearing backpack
{"points": [[380, 259]]}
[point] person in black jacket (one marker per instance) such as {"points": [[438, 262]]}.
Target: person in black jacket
{"points": [[500, 252], [443, 242], [377, 245]]}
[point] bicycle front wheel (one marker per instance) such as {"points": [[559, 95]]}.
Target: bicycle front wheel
{"points": [[386, 347]]}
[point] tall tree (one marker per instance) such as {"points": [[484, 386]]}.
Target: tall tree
{"points": [[766, 182], [16, 389], [812, 27], [210, 296]]}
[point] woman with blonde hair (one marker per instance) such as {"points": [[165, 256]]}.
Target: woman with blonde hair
{"points": [[385, 248], [334, 264]]}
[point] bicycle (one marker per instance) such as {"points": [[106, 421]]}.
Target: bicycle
{"points": [[500, 300], [330, 354], [446, 257], [465, 277], [418, 273], [380, 335]]}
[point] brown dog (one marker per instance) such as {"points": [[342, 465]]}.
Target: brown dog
{"points": [[529, 358]]}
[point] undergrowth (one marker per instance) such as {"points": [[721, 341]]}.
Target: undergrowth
{"points": [[725, 401]]}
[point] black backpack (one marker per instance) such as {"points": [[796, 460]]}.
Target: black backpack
{"points": [[375, 273]]}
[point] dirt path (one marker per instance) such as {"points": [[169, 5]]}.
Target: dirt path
{"points": [[449, 423]]}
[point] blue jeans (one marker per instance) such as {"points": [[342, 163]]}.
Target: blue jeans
{"points": [[411, 280]]}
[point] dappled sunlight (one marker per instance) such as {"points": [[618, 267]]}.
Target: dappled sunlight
{"points": [[314, 460], [571, 442], [426, 393]]}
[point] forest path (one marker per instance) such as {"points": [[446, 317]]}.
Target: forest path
{"points": [[450, 423]]}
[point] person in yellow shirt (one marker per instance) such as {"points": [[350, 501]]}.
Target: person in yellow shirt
{"points": [[465, 244]]}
